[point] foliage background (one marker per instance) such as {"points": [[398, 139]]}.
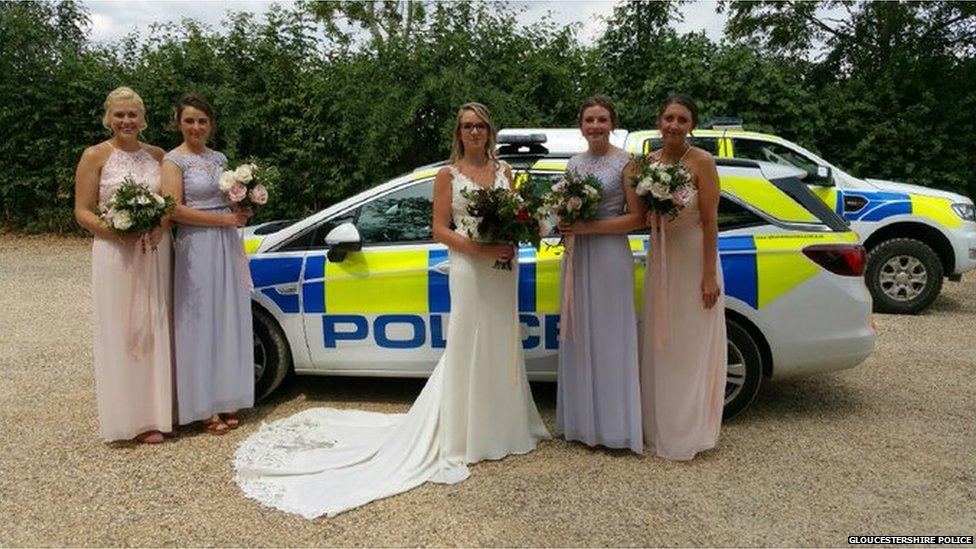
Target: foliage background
{"points": [[341, 96]]}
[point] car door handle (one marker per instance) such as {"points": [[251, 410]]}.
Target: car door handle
{"points": [[443, 267]]}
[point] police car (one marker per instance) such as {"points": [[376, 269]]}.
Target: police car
{"points": [[914, 235], [361, 288]]}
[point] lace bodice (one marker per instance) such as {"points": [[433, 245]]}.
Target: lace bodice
{"points": [[464, 222], [139, 165], [608, 169], [201, 178]]}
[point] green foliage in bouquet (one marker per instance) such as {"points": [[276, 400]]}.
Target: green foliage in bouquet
{"points": [[134, 209]]}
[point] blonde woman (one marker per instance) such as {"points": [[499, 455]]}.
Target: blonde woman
{"points": [[476, 405], [131, 276]]}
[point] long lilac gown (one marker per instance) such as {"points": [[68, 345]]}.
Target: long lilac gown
{"points": [[211, 301], [683, 344], [598, 394], [131, 293]]}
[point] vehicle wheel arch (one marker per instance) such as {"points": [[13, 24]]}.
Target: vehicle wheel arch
{"points": [[926, 234], [263, 314], [765, 352]]}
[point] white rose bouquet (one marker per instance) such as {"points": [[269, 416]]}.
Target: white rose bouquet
{"points": [[134, 209], [665, 190], [247, 185]]}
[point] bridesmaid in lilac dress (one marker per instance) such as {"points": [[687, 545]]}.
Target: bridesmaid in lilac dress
{"points": [[211, 284], [683, 366], [130, 283], [598, 396]]}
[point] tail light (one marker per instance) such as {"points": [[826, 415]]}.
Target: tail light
{"points": [[842, 259]]}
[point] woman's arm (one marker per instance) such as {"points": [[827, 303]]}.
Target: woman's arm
{"points": [[443, 196], [621, 224], [86, 195], [708, 196], [172, 185]]}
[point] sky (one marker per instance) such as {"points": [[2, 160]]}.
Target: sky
{"points": [[113, 19]]}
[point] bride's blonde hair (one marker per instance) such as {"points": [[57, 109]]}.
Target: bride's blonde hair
{"points": [[457, 146], [122, 94]]}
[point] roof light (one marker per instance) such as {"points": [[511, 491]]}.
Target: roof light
{"points": [[522, 139], [723, 123]]}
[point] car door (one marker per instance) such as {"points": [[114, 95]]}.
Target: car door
{"points": [[768, 151], [378, 308]]}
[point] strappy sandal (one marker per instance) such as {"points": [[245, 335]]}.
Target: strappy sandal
{"points": [[215, 426], [231, 420]]}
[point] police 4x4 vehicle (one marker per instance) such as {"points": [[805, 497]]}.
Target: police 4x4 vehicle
{"points": [[914, 235], [361, 288]]}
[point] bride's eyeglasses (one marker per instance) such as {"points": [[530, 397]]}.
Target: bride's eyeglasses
{"points": [[470, 128]]}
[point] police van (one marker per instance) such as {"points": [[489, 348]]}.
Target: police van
{"points": [[361, 288], [914, 235]]}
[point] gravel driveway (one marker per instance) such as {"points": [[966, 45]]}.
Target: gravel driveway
{"points": [[886, 448]]}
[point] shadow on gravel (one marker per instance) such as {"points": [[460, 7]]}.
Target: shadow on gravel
{"points": [[945, 303], [339, 390], [811, 398]]}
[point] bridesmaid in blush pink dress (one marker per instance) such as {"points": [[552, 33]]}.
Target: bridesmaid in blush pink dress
{"points": [[131, 283], [683, 342]]}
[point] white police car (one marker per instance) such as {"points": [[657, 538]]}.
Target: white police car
{"points": [[360, 288], [914, 235]]}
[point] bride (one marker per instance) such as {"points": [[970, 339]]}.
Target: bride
{"points": [[476, 405]]}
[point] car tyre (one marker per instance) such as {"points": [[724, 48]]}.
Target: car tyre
{"points": [[904, 276], [272, 356], [744, 370]]}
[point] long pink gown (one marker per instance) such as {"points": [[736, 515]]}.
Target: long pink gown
{"points": [[683, 368], [131, 296]]}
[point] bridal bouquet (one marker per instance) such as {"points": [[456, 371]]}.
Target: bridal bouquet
{"points": [[247, 185], [134, 209], [574, 198], [664, 190], [502, 216]]}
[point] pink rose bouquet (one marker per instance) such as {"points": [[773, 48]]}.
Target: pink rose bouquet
{"points": [[247, 185]]}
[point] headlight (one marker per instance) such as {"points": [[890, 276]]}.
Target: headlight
{"points": [[965, 211]]}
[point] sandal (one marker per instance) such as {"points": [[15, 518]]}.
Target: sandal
{"points": [[231, 420], [149, 437], [215, 426]]}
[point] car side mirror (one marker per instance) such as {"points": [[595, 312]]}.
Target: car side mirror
{"points": [[823, 176], [342, 240]]}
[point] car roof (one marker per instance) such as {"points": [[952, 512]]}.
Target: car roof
{"points": [[747, 180], [563, 141]]}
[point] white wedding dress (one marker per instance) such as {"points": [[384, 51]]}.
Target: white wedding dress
{"points": [[476, 405]]}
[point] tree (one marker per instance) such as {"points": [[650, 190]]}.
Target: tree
{"points": [[896, 80]]}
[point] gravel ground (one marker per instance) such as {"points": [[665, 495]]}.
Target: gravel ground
{"points": [[885, 448]]}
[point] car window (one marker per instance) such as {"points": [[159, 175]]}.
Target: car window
{"points": [[709, 144], [401, 216], [751, 149], [733, 216]]}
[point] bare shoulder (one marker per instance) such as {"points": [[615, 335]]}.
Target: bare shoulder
{"points": [[97, 154], [506, 167], [156, 152], [444, 177], [700, 157]]}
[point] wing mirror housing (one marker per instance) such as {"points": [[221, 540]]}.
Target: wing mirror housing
{"points": [[822, 176], [342, 240]]}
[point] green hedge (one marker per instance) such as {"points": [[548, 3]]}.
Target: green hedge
{"points": [[338, 118]]}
